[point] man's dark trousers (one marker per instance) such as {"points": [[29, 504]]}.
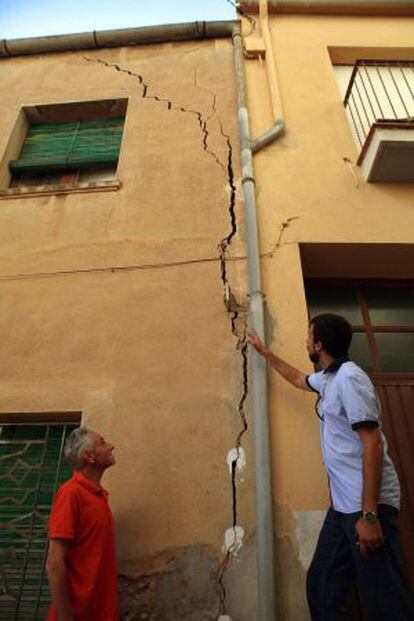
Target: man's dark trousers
{"points": [[338, 561]]}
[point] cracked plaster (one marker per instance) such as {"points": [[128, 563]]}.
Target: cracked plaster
{"points": [[237, 314]]}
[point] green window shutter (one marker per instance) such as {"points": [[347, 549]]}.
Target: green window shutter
{"points": [[96, 142], [31, 469], [46, 147], [51, 146]]}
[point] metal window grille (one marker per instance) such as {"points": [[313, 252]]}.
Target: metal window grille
{"points": [[32, 467]]}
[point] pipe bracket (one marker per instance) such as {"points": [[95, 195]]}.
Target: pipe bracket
{"points": [[258, 292], [247, 179]]}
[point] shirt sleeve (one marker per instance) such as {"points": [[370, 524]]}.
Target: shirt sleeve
{"points": [[64, 515], [360, 400], [314, 381]]}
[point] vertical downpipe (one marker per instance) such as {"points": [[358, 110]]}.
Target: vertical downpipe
{"points": [[263, 487]]}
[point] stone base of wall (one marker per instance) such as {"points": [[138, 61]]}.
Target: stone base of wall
{"points": [[185, 585]]}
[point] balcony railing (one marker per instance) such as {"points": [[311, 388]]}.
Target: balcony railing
{"points": [[380, 91]]}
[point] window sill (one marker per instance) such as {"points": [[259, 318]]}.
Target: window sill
{"points": [[55, 190]]}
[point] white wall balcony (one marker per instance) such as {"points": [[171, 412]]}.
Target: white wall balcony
{"points": [[380, 104]]}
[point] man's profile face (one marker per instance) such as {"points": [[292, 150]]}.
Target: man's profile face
{"points": [[312, 347], [102, 453]]}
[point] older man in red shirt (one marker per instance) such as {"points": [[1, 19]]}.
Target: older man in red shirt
{"points": [[81, 562]]}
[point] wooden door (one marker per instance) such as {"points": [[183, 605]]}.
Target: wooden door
{"points": [[397, 400]]}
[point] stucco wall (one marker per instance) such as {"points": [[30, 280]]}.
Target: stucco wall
{"points": [[112, 305], [145, 351], [303, 177]]}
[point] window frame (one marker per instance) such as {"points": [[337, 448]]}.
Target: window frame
{"points": [[60, 113], [367, 327]]}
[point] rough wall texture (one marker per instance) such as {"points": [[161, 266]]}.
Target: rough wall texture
{"points": [[185, 586], [190, 584], [112, 303], [188, 588], [137, 597]]}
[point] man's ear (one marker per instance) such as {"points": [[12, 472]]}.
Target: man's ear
{"points": [[89, 457], [318, 346]]}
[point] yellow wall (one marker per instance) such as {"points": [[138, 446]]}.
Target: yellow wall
{"points": [[303, 176], [145, 353]]}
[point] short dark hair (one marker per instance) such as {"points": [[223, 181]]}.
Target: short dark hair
{"points": [[334, 332]]}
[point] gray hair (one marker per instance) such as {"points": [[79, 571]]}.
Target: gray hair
{"points": [[76, 442]]}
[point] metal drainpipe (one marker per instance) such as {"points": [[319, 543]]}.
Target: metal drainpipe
{"points": [[263, 486]]}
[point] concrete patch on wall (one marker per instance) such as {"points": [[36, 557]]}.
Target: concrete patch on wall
{"points": [[269, 325], [237, 455], [136, 597], [290, 572], [176, 585], [183, 585], [240, 583], [296, 534], [187, 589], [308, 526], [233, 540]]}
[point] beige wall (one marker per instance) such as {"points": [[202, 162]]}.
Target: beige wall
{"points": [[145, 353], [303, 176]]}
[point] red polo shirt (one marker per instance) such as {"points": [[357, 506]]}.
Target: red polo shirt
{"points": [[81, 515]]}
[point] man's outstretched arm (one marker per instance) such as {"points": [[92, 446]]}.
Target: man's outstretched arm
{"points": [[292, 375]]}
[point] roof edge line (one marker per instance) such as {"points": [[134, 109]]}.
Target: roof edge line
{"points": [[334, 7], [93, 39]]}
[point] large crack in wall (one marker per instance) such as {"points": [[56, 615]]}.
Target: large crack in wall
{"points": [[171, 105], [236, 312], [238, 323]]}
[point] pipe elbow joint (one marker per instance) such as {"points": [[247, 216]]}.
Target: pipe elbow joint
{"points": [[268, 137]]}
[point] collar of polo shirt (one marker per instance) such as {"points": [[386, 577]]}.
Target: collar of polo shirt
{"points": [[334, 366], [95, 489]]}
